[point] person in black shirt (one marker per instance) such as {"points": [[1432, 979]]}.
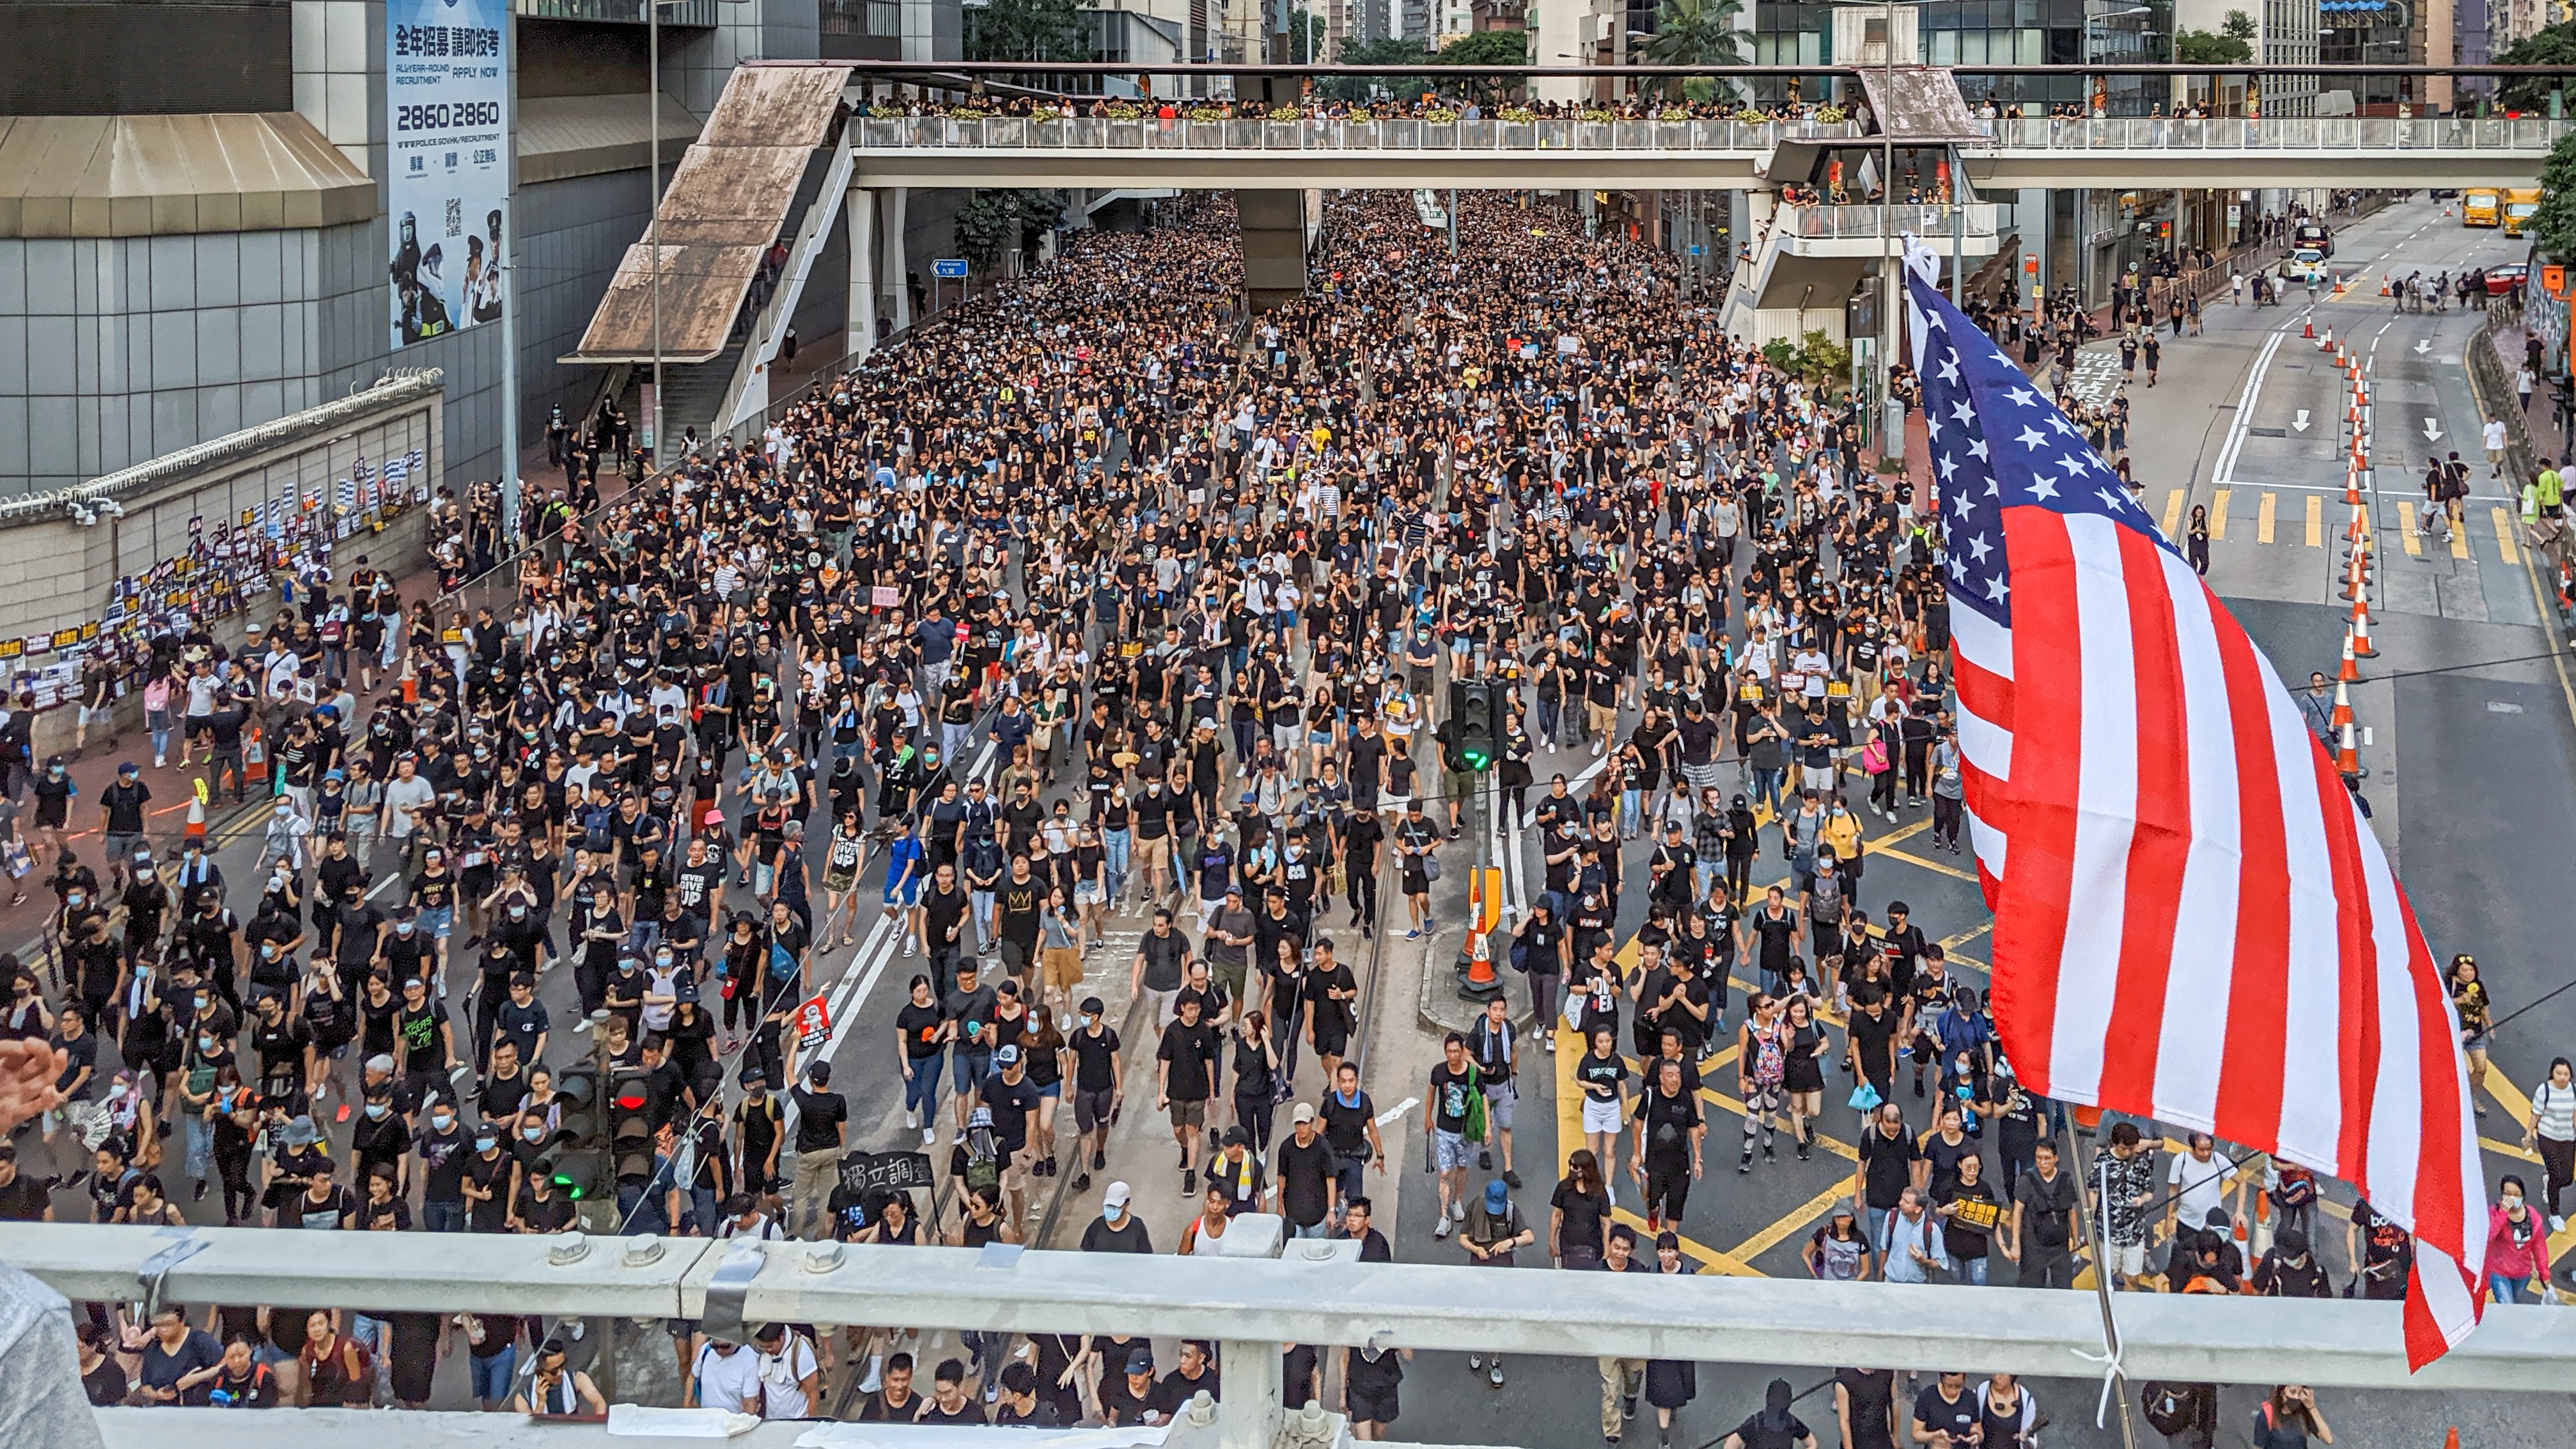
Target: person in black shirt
{"points": [[1020, 1407], [1134, 1396], [1117, 1229], [1099, 1081], [821, 1115], [1666, 1157], [1302, 1172], [1184, 1080], [949, 1402], [24, 1198]]}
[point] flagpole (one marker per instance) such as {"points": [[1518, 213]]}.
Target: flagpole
{"points": [[2115, 1382]]}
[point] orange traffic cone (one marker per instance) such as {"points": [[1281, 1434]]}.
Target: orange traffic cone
{"points": [[2309, 330], [2343, 692], [2348, 757], [1480, 977], [2347, 671], [196, 827], [2326, 344], [2361, 630]]}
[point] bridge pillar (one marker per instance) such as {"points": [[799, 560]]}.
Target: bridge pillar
{"points": [[890, 225], [1274, 246], [859, 321]]}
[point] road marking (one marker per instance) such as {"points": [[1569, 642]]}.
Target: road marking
{"points": [[2504, 535], [1398, 1110], [2263, 520], [2406, 528], [2218, 515], [2460, 540], [1569, 1129], [1934, 866], [2316, 521], [2225, 472], [1902, 832], [1791, 1223], [2173, 511]]}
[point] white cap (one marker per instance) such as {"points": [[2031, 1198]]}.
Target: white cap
{"points": [[1115, 1197]]}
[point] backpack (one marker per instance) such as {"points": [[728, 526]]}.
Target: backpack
{"points": [[983, 1161], [2167, 1407]]}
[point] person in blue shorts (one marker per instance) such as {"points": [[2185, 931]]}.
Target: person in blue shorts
{"points": [[903, 880]]}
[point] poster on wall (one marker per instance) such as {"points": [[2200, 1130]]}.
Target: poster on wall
{"points": [[447, 98]]}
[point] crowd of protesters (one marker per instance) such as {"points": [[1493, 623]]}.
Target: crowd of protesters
{"points": [[1095, 601]]}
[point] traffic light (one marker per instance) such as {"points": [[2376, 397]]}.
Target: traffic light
{"points": [[630, 1131], [1473, 727], [576, 1156]]}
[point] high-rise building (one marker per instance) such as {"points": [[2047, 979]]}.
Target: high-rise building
{"points": [[276, 249]]}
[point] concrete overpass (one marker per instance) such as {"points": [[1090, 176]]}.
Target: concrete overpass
{"points": [[1682, 155]]}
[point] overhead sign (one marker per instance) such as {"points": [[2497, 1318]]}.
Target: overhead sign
{"points": [[447, 194], [950, 267]]}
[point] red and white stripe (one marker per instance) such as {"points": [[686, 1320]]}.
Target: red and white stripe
{"points": [[2197, 924], [1982, 672]]}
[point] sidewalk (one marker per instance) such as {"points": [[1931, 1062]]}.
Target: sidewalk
{"points": [[172, 787]]}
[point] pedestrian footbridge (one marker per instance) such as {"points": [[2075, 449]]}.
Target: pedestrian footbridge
{"points": [[1704, 154]]}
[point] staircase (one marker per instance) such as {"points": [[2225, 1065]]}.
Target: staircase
{"points": [[693, 393]]}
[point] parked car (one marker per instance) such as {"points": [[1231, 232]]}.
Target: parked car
{"points": [[2507, 278]]}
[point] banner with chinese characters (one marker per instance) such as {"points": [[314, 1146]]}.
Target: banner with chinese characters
{"points": [[447, 102]]}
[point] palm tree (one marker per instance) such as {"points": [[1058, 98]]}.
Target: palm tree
{"points": [[1696, 32]]}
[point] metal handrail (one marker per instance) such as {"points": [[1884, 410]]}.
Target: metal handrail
{"points": [[2004, 133]]}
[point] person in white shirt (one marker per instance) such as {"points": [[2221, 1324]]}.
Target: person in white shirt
{"points": [[726, 1376], [2494, 432], [2201, 1180], [789, 1376]]}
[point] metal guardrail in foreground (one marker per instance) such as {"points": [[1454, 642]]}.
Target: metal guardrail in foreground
{"points": [[1261, 1303]]}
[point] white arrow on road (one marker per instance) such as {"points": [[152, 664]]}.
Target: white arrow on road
{"points": [[2301, 422], [2423, 345], [2432, 434]]}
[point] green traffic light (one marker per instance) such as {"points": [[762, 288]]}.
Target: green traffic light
{"points": [[569, 1188]]}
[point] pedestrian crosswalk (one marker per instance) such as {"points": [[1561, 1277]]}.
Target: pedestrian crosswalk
{"points": [[2298, 520]]}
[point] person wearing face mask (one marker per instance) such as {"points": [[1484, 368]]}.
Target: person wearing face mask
{"points": [[441, 1145], [1117, 1229], [380, 1136], [488, 1181], [2517, 1247]]}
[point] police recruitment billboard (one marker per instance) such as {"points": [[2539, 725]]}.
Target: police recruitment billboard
{"points": [[447, 99]]}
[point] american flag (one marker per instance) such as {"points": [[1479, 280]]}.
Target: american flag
{"points": [[2192, 920]]}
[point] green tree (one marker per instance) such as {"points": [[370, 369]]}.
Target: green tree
{"points": [[1035, 30], [1822, 360], [1485, 47], [2238, 24], [1378, 52], [1039, 213], [2554, 45], [987, 225], [2553, 227], [1306, 37], [2199, 47], [1696, 32]]}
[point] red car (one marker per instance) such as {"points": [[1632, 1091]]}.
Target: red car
{"points": [[2506, 278]]}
